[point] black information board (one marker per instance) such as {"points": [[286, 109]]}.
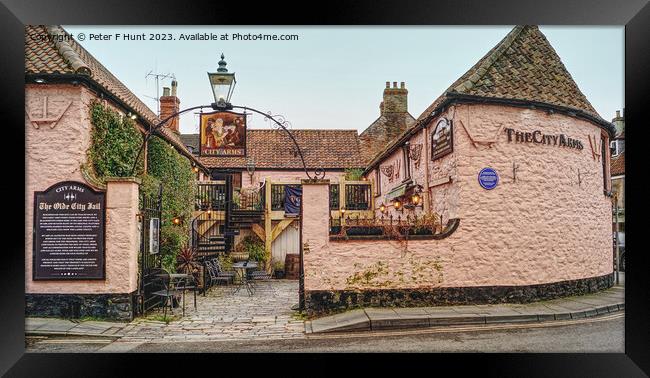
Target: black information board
{"points": [[69, 233]]}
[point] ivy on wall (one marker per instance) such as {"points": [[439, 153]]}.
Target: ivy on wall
{"points": [[169, 168], [115, 142]]}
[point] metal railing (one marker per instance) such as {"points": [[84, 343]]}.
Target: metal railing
{"points": [[360, 224], [277, 196], [210, 196], [248, 199]]}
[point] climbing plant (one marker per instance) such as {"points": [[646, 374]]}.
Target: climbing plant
{"points": [[169, 168], [353, 174], [115, 142]]}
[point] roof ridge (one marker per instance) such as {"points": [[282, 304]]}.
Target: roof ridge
{"points": [[66, 51], [489, 59]]}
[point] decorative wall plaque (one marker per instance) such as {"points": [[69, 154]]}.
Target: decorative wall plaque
{"points": [[69, 233], [442, 139]]}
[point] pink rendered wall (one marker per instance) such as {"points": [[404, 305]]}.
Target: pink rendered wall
{"points": [[541, 228], [441, 198], [56, 154]]}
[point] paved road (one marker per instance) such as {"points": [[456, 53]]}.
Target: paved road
{"points": [[601, 334]]}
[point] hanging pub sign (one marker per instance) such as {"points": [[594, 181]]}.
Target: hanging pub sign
{"points": [[222, 134], [442, 139], [69, 238]]}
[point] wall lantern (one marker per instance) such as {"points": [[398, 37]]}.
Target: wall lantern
{"points": [[250, 167], [415, 199], [382, 208], [223, 84], [342, 211], [176, 220], [397, 205]]}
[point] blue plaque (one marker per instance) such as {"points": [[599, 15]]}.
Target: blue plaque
{"points": [[488, 178]]}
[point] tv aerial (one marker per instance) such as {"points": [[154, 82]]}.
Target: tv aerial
{"points": [[158, 77]]}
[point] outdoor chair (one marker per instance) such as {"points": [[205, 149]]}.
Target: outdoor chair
{"points": [[221, 271], [167, 293], [188, 283], [259, 275], [214, 274]]}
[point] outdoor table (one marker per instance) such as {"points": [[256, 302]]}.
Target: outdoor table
{"points": [[178, 278], [241, 268]]}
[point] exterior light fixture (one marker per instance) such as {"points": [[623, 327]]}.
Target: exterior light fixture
{"points": [[132, 115], [382, 208], [176, 220], [39, 80], [250, 167], [397, 204], [223, 84], [195, 169], [415, 199], [342, 211]]}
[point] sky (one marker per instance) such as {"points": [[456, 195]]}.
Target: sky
{"points": [[333, 77]]}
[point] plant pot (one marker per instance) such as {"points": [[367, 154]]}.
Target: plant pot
{"points": [[279, 274]]}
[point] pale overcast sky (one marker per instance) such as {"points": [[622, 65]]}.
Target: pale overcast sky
{"points": [[333, 77]]}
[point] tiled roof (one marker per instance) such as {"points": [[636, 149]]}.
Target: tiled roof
{"points": [[523, 67], [49, 52], [273, 149], [618, 165], [381, 132]]}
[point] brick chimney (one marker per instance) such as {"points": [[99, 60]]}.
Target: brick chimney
{"points": [[170, 104], [395, 99]]}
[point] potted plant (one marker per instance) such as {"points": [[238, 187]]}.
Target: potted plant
{"points": [[278, 269]]}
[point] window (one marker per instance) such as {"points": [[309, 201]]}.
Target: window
{"points": [[377, 181], [617, 147], [334, 196], [407, 161], [235, 177], [357, 196]]}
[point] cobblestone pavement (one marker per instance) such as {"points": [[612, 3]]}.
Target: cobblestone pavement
{"points": [[222, 315]]}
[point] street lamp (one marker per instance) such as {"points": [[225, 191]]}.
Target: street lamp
{"points": [[223, 84]]}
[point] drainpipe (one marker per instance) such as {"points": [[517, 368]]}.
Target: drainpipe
{"points": [[427, 202], [618, 257]]}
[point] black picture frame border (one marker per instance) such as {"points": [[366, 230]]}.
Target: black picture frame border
{"points": [[634, 14]]}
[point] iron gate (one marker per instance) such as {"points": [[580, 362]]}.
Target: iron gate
{"points": [[149, 261]]}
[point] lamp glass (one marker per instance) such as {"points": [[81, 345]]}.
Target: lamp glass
{"points": [[222, 84]]}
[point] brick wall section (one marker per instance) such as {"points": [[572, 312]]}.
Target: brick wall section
{"points": [[168, 106]]}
